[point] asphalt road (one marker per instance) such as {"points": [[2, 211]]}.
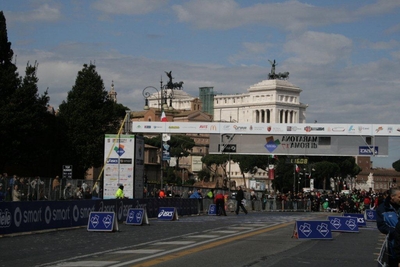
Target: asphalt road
{"points": [[256, 239]]}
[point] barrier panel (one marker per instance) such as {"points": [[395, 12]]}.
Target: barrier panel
{"points": [[167, 214], [313, 230], [212, 209], [360, 218], [370, 215], [137, 217], [343, 224], [17, 217], [102, 222]]}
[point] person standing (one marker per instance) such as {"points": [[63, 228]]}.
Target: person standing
{"points": [[3, 193], [56, 188], [387, 219], [239, 203], [16, 193], [220, 203], [120, 192], [253, 199], [161, 194], [197, 194]]}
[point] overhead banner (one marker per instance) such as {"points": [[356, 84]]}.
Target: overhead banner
{"points": [[267, 128], [303, 145]]}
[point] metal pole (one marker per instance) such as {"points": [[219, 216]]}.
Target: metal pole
{"points": [[294, 178], [162, 142], [229, 156]]}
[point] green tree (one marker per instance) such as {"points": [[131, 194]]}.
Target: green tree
{"points": [[324, 171], [396, 165], [250, 164], [213, 161], [24, 132], [180, 146], [88, 114], [9, 82], [31, 118]]}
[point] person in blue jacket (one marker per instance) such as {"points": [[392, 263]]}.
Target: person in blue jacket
{"points": [[387, 218], [197, 194]]}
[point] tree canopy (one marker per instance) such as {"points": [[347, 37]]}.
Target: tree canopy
{"points": [[88, 114]]}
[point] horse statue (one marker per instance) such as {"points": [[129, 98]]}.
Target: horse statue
{"points": [[178, 85], [283, 75]]}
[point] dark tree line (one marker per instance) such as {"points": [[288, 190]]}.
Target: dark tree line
{"points": [[36, 141]]}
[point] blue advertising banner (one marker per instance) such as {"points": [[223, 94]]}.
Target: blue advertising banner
{"points": [[102, 221], [343, 224], [360, 218], [27, 216], [313, 230], [167, 214], [212, 209], [370, 215], [137, 217]]}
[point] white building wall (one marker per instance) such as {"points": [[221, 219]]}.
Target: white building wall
{"points": [[270, 101]]}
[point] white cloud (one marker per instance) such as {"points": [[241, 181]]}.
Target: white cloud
{"points": [[289, 15], [251, 51], [129, 7], [43, 13], [393, 29], [385, 45], [379, 7], [318, 48]]}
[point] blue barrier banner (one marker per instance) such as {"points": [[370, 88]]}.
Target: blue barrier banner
{"points": [[313, 230], [26, 216], [370, 215], [167, 214], [343, 224], [212, 209], [102, 221], [137, 217], [360, 218]]}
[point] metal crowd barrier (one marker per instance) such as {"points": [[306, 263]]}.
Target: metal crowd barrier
{"points": [[39, 188], [383, 257], [268, 205]]}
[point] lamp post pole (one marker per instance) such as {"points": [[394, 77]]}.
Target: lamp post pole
{"points": [[146, 95], [163, 106]]}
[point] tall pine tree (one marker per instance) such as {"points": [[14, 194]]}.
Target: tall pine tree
{"points": [[24, 118], [9, 82], [88, 115]]}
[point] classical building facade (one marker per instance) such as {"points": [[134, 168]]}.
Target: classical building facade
{"points": [[269, 101], [274, 100]]}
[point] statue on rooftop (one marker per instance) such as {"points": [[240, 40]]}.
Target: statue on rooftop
{"points": [[276, 76]]}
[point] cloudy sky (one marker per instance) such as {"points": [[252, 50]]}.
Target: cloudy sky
{"points": [[344, 55]]}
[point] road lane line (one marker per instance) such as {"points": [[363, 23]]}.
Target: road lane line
{"points": [[197, 247]]}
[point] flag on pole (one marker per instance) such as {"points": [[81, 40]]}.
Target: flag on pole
{"points": [[297, 168], [163, 117]]}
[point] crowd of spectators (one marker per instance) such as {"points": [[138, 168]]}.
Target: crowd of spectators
{"points": [[355, 201], [15, 188]]}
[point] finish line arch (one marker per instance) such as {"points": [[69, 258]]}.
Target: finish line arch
{"points": [[284, 139]]}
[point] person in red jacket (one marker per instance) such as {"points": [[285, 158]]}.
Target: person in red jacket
{"points": [[161, 194], [220, 203]]}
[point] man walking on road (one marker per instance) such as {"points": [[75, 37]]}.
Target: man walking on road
{"points": [[387, 218], [239, 203]]}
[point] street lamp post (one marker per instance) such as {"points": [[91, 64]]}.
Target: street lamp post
{"points": [[163, 106]]}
